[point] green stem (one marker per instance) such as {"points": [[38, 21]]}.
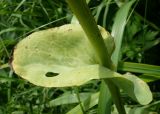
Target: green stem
{"points": [[79, 100], [10, 85], [83, 14]]}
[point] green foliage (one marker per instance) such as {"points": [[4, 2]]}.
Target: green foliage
{"points": [[18, 19], [118, 29], [67, 58], [138, 38], [149, 72]]}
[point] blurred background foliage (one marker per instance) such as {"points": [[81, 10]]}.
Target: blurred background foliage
{"points": [[19, 18]]}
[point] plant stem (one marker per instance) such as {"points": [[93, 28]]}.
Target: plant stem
{"points": [[83, 14], [79, 100]]}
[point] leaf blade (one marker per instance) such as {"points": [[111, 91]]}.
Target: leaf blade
{"points": [[37, 55]]}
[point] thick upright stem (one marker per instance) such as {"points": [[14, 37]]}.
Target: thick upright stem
{"points": [[86, 20], [90, 28]]}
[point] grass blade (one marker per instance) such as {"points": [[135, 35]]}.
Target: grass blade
{"points": [[140, 68], [90, 102], [104, 107], [118, 29], [68, 98]]}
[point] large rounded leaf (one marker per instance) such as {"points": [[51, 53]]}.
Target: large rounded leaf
{"points": [[63, 56], [55, 50]]}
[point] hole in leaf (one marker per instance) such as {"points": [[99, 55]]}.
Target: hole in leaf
{"points": [[51, 74]]}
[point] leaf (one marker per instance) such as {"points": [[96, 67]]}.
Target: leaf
{"points": [[152, 70], [66, 54], [18, 112], [6, 65], [148, 109], [68, 98], [149, 72], [88, 103], [55, 50], [118, 28], [149, 78], [151, 44]]}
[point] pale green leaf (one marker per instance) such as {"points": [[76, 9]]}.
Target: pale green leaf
{"points": [[68, 98], [63, 57], [88, 103], [147, 109], [55, 50]]}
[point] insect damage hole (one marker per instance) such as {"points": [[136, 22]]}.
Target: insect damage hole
{"points": [[51, 74]]}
